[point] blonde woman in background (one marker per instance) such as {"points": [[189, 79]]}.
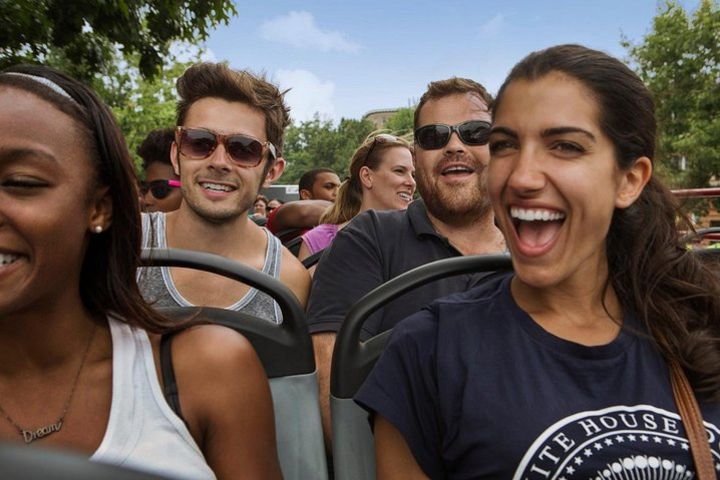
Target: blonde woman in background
{"points": [[381, 177]]}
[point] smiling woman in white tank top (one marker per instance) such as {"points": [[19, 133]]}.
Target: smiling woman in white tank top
{"points": [[78, 345]]}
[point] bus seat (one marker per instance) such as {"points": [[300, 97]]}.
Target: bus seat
{"points": [[353, 449], [18, 462], [289, 234], [294, 245], [285, 351], [313, 259]]}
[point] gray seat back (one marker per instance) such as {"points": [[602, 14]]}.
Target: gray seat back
{"points": [[299, 428], [20, 462], [285, 351], [353, 448], [353, 451]]}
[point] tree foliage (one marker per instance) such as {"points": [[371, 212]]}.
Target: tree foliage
{"points": [[142, 105], [82, 36], [679, 60], [318, 143], [402, 122]]}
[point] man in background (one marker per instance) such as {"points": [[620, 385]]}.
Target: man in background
{"points": [[319, 184], [318, 189]]}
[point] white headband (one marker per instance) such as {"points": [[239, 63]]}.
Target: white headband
{"points": [[48, 83]]}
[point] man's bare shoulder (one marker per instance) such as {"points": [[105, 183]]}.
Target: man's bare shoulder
{"points": [[253, 247], [295, 276]]}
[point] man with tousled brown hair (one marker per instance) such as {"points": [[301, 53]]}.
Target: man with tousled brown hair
{"points": [[453, 217], [228, 142]]}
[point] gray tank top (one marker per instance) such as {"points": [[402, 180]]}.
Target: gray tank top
{"points": [[158, 288]]}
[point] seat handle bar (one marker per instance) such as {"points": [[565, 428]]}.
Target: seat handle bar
{"points": [[293, 314], [350, 354]]}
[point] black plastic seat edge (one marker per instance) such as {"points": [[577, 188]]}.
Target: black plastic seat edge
{"points": [[358, 357], [18, 462], [294, 245], [277, 349], [313, 259], [292, 333]]}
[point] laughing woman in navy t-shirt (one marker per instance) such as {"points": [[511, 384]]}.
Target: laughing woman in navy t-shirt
{"points": [[559, 370]]}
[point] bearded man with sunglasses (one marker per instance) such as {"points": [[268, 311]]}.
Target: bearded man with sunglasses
{"points": [[453, 217], [228, 142]]}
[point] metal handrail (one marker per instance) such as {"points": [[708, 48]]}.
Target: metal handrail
{"points": [[291, 336], [353, 359], [710, 192]]}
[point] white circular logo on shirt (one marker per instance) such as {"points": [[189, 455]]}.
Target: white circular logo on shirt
{"points": [[640, 442]]}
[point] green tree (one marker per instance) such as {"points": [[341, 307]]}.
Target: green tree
{"points": [[351, 134], [402, 122], [309, 144], [141, 105], [679, 60], [318, 143], [83, 36]]}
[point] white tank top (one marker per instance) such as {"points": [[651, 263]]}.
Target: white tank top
{"points": [[143, 432]]}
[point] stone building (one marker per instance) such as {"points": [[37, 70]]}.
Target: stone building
{"points": [[380, 117]]}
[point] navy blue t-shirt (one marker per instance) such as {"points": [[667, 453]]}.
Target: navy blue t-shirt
{"points": [[479, 390]]}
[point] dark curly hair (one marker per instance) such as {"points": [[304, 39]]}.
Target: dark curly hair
{"points": [[155, 148]]}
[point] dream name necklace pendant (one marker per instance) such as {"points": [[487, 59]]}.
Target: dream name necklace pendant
{"points": [[30, 436], [41, 432]]}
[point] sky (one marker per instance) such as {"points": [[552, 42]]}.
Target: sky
{"points": [[344, 58]]}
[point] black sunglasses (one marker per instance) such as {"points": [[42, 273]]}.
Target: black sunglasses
{"points": [[159, 188], [437, 135], [244, 150]]}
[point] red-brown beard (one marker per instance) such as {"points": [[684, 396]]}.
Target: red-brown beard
{"points": [[455, 205]]}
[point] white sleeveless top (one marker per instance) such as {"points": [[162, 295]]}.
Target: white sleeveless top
{"points": [[143, 432]]}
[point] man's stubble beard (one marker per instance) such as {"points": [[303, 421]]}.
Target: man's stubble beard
{"points": [[461, 205], [215, 215], [219, 217]]}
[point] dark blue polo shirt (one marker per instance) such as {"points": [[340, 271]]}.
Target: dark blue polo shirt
{"points": [[374, 248]]}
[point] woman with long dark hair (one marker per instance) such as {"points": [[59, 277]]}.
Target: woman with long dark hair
{"points": [[78, 345], [561, 368]]}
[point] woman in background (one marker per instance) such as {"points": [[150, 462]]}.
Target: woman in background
{"points": [[260, 207], [381, 177], [273, 204]]}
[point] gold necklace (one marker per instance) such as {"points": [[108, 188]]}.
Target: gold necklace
{"points": [[31, 435]]}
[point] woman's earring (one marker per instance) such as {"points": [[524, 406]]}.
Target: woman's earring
{"points": [[98, 229]]}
